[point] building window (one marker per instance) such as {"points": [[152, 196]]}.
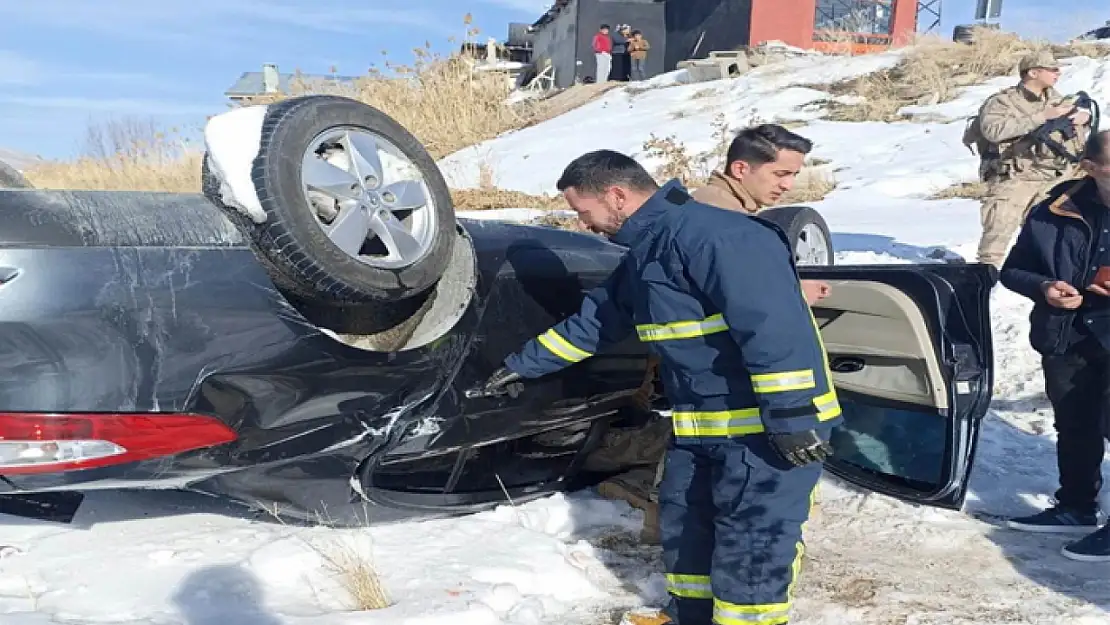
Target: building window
{"points": [[863, 18]]}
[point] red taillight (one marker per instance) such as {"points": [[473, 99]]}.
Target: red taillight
{"points": [[47, 443]]}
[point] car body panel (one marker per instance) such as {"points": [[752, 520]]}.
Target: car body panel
{"points": [[152, 303], [911, 450], [108, 318]]}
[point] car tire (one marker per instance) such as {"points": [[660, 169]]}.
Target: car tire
{"points": [[10, 178], [295, 171], [807, 233]]}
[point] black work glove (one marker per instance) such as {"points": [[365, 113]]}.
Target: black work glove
{"points": [[501, 382], [801, 448]]}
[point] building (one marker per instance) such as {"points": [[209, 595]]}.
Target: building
{"points": [[682, 29], [269, 80]]}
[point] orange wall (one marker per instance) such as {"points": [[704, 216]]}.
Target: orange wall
{"points": [[791, 21], [905, 21]]}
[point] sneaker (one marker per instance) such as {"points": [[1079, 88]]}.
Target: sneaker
{"points": [[1094, 547], [1057, 520], [645, 616]]}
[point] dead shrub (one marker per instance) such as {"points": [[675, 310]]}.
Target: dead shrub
{"points": [[933, 71], [495, 198], [677, 160], [561, 221], [125, 154], [811, 185], [353, 570], [974, 190], [439, 99]]}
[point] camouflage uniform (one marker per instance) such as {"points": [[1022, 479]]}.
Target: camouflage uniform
{"points": [[1016, 168]]}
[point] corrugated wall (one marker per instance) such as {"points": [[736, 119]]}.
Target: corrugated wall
{"points": [[557, 41]]}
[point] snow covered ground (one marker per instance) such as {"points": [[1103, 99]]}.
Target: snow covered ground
{"points": [[160, 558]]}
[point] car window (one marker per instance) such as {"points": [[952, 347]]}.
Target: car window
{"points": [[904, 445]]}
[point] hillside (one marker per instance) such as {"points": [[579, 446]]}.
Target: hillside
{"points": [[162, 558]]}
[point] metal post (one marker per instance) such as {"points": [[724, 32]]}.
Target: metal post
{"points": [[929, 11]]}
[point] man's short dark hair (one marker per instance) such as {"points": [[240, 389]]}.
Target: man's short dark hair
{"points": [[603, 27], [596, 171], [1097, 148], [760, 144]]}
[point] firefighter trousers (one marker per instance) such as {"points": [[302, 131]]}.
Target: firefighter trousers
{"points": [[731, 514]]}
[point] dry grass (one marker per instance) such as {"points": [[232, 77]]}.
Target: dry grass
{"points": [[811, 185], [975, 190], [677, 161], [355, 573], [936, 69], [494, 198], [128, 154], [440, 99]]}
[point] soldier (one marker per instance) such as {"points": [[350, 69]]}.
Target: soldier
{"points": [[1016, 166]]}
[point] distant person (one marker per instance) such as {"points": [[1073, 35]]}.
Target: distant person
{"points": [[638, 51], [622, 63], [1061, 261], [1015, 166], [603, 53]]}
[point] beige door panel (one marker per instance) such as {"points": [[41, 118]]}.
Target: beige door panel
{"points": [[881, 326]]}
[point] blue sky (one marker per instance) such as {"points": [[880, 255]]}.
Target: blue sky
{"points": [[64, 63]]}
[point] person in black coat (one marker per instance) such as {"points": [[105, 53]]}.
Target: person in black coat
{"points": [[1061, 261]]}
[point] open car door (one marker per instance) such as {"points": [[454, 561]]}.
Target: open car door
{"points": [[911, 357]]}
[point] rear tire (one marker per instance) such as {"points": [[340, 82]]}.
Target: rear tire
{"points": [[807, 233], [310, 133]]}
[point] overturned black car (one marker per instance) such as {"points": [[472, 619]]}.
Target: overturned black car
{"points": [[312, 346]]}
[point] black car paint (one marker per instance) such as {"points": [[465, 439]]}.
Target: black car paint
{"points": [[954, 299], [129, 302], [140, 302]]}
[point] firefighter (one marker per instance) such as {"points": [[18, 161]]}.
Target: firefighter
{"points": [[743, 367]]}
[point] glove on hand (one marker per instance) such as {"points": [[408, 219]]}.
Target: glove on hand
{"points": [[801, 448], [501, 382]]}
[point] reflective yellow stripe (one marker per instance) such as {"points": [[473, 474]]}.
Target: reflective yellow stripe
{"points": [[689, 586], [717, 423], [682, 329], [827, 405], [561, 347], [727, 613], [785, 381]]}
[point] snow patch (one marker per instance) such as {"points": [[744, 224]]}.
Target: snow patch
{"points": [[233, 140]]}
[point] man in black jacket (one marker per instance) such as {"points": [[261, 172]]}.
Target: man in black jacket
{"points": [[1061, 261]]}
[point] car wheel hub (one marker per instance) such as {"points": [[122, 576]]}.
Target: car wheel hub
{"points": [[812, 247], [370, 199]]}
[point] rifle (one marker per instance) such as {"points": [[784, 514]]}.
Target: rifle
{"points": [[1063, 125]]}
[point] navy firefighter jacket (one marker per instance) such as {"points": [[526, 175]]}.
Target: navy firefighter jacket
{"points": [[714, 293]]}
